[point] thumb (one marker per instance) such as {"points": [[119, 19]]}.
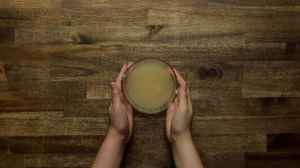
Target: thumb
{"points": [[115, 93], [170, 110]]}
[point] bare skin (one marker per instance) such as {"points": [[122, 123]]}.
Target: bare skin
{"points": [[178, 121], [119, 133]]}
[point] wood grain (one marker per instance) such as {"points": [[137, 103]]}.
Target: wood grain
{"points": [[204, 106], [255, 2], [98, 126], [275, 160], [271, 79], [40, 90], [253, 23], [240, 59], [13, 161], [275, 51], [7, 35]]}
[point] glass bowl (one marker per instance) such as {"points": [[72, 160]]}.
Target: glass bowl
{"points": [[149, 85]]}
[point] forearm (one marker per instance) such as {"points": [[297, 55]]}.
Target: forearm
{"points": [[185, 153], [111, 152]]}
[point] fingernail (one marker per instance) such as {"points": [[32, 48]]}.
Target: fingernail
{"points": [[113, 84], [129, 64]]}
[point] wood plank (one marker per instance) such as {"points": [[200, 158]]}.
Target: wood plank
{"points": [[23, 55], [36, 105], [31, 115], [3, 77], [208, 49], [91, 144], [19, 72], [4, 148], [25, 63], [73, 144], [78, 26], [67, 66], [271, 79], [271, 51], [204, 106], [7, 17], [238, 143], [59, 160], [250, 124], [7, 35], [53, 127], [283, 142], [235, 160], [98, 90], [132, 3], [87, 108], [193, 24], [13, 161], [188, 24], [282, 35], [201, 126], [7, 4], [25, 144], [134, 51], [255, 2], [273, 159], [79, 34], [40, 90], [224, 106], [104, 16], [60, 144], [75, 4], [37, 3], [212, 88], [148, 152]]}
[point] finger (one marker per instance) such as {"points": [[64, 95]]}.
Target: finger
{"points": [[121, 75], [189, 101], [180, 79], [171, 108], [129, 64], [116, 96], [169, 116], [181, 89], [130, 120], [176, 100], [110, 107]]}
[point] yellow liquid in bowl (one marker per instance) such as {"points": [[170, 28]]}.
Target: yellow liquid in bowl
{"points": [[150, 85]]}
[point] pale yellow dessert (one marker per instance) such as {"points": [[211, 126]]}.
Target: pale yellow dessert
{"points": [[150, 85]]}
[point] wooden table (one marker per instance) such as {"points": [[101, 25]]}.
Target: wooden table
{"points": [[240, 58]]}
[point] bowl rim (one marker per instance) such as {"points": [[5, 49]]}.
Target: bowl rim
{"points": [[137, 107]]}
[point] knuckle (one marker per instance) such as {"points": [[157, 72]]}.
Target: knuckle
{"points": [[183, 84]]}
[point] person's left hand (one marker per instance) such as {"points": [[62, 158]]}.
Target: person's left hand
{"points": [[121, 112], [180, 112]]}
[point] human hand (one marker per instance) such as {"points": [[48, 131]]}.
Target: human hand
{"points": [[121, 112], [179, 112]]}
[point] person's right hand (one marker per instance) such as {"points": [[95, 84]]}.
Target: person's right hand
{"points": [[121, 112], [179, 113]]}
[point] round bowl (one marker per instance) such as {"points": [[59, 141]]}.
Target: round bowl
{"points": [[149, 85]]}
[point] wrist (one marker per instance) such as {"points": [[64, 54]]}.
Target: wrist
{"points": [[115, 135], [182, 137]]}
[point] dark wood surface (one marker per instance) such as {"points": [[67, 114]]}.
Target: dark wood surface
{"points": [[241, 59]]}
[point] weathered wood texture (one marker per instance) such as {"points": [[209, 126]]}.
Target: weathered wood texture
{"points": [[241, 59]]}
